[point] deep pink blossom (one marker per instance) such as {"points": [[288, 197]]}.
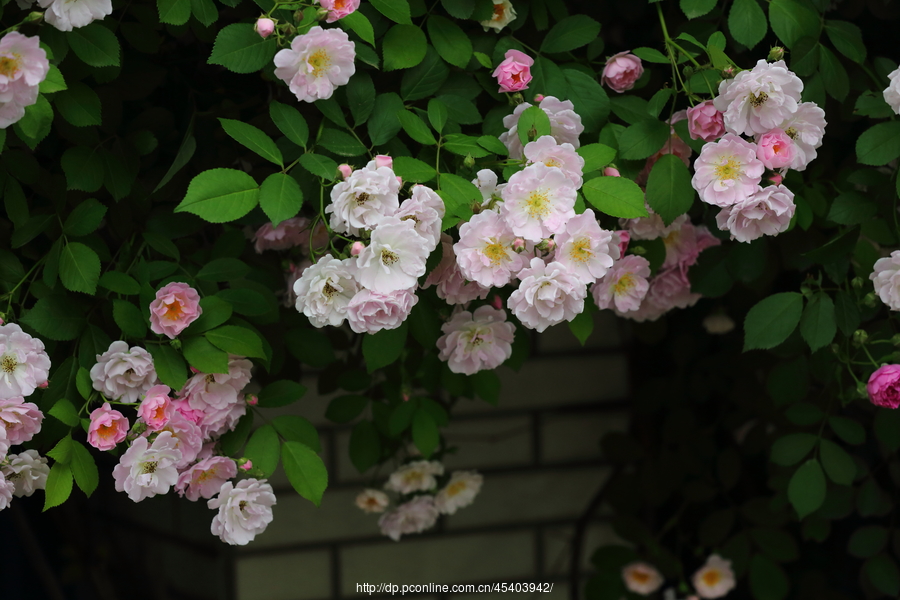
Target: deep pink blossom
{"points": [[514, 73], [621, 71], [884, 386], [176, 306], [108, 427]]}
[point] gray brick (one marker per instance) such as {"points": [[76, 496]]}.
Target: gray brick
{"points": [[559, 338], [558, 547], [294, 576], [527, 497], [577, 436], [439, 560], [489, 442]]}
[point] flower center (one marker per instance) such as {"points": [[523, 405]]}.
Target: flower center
{"points": [[242, 505], [495, 251], [624, 285], [160, 413], [413, 477], [173, 310], [791, 132], [552, 162], [730, 169], [148, 468], [388, 258], [329, 290], [106, 431], [319, 61], [640, 576], [8, 363], [455, 488], [758, 100], [581, 250], [362, 199], [206, 475], [538, 204], [499, 10], [9, 65], [711, 577]]}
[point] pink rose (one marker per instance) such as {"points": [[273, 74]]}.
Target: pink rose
{"points": [[338, 9], [287, 234], [776, 149], [108, 428], [21, 420], [514, 73], [371, 312], [156, 408], [204, 479], [884, 386], [264, 27], [705, 122], [177, 305], [622, 70]]}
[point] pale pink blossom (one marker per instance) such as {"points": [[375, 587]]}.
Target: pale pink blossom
{"points": [[371, 312], [66, 16], [475, 341], [585, 249], [767, 212], [108, 427], [486, 182], [806, 127], [14, 99], [146, 469], [650, 227], [624, 286], [775, 149], [27, 471], [188, 438], [338, 9], [414, 516], [325, 289], [217, 396], [681, 243], [176, 306], [611, 172], [459, 492], [727, 171], [394, 259], [538, 201], [317, 62], [264, 27], [485, 251], [886, 277], [622, 71], [21, 420], [244, 510], [565, 124], [705, 122], [641, 578], [714, 579], [892, 92], [545, 150], [452, 287], [24, 364], [417, 476], [123, 373], [372, 501], [345, 170], [7, 489], [623, 238], [514, 73], [287, 234], [426, 209], [758, 100], [668, 289], [4, 442], [205, 478], [362, 200], [503, 15], [22, 59], [548, 294]]}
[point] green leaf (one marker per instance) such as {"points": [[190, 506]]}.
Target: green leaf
{"points": [[290, 122], [696, 8], [641, 140], [95, 44], [205, 11], [319, 165], [777, 544], [848, 430], [426, 78], [56, 318], [817, 326], [360, 24], [245, 301], [615, 196], [669, 190], [169, 365], [129, 319], [792, 448], [867, 541], [305, 470], [460, 9], [464, 145], [806, 490], [747, 22], [185, 152], [837, 82], [772, 320], [203, 356], [414, 170], [365, 446], [395, 10], [174, 12], [425, 432], [837, 463], [451, 42], [236, 340], [533, 124], [887, 428], [767, 580], [492, 144], [120, 283], [35, 125], [223, 269], [79, 105], [596, 156], [651, 55], [85, 218], [297, 429], [383, 348], [589, 98], [344, 409], [29, 230], [240, 49], [84, 469], [416, 128], [280, 393], [582, 326], [404, 47], [851, 208], [847, 38], [79, 268], [83, 168], [794, 19], [66, 412], [62, 451], [59, 485], [883, 574], [384, 124], [401, 417], [263, 449], [360, 96], [220, 195], [341, 143], [215, 312], [280, 197], [254, 139], [570, 33], [83, 383], [54, 82]]}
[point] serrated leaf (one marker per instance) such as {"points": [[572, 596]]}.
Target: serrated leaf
{"points": [[263, 449], [79, 268], [220, 195], [58, 486], [615, 196], [772, 320], [254, 139], [305, 470], [290, 122], [806, 490], [95, 45], [236, 340], [240, 49]]}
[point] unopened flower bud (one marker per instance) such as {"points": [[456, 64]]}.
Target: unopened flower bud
{"points": [[687, 71], [860, 337], [858, 282], [34, 17], [251, 399], [245, 464], [44, 385], [298, 16], [835, 349], [776, 54], [861, 390], [497, 302], [804, 289], [176, 343], [516, 99], [264, 27], [405, 397], [469, 161], [518, 245], [322, 14], [532, 133], [382, 160], [896, 340], [869, 299], [399, 180], [357, 248], [345, 170], [546, 245], [728, 72], [138, 428], [611, 172], [776, 178], [538, 97]]}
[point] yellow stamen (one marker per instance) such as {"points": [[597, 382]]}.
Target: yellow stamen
{"points": [[538, 204], [319, 61], [730, 169], [625, 283], [495, 251], [581, 250]]}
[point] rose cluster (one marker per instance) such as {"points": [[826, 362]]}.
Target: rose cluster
{"points": [[24, 366], [23, 66], [419, 505], [715, 579], [781, 132]]}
